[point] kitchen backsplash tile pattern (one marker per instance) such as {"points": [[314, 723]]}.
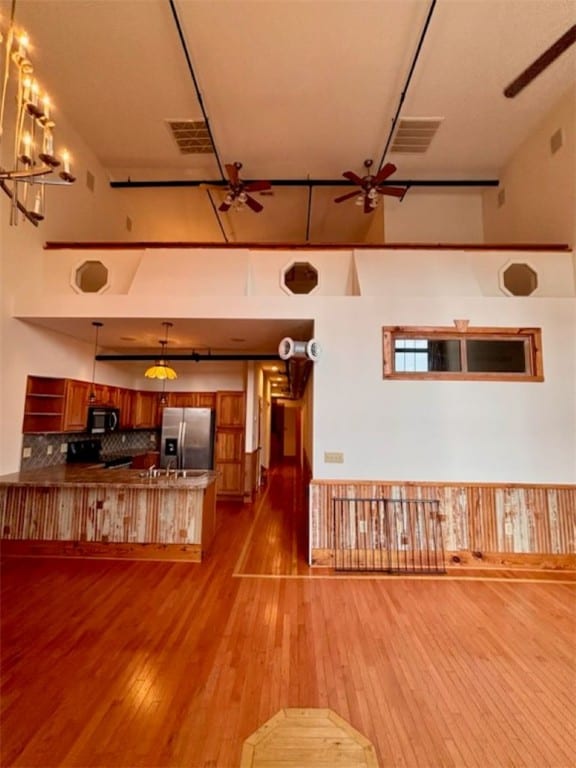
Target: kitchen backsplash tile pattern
{"points": [[50, 450]]}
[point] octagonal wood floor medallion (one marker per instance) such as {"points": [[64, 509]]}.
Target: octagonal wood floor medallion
{"points": [[307, 738]]}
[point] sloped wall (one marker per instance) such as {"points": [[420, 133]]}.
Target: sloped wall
{"points": [[539, 186]]}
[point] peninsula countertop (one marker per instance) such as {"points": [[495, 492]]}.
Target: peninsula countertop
{"points": [[91, 475]]}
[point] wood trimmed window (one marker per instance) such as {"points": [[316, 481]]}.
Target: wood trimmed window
{"points": [[473, 354]]}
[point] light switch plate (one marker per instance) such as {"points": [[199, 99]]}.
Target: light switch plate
{"points": [[333, 457], [26, 453]]}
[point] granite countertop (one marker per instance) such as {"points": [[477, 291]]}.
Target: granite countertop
{"points": [[94, 475]]}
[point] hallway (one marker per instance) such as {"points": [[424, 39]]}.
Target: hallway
{"points": [[116, 663]]}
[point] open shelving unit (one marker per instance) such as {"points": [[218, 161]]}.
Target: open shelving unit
{"points": [[44, 405]]}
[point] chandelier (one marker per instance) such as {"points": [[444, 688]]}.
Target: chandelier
{"points": [[33, 158], [161, 370]]}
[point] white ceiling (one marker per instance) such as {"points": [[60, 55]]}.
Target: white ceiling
{"points": [[293, 89]]}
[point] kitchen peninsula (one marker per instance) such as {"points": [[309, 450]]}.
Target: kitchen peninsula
{"points": [[77, 510]]}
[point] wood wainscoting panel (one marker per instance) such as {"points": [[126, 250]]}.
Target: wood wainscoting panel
{"points": [[476, 518], [101, 513]]}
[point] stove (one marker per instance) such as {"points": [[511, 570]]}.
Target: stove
{"points": [[90, 452]]}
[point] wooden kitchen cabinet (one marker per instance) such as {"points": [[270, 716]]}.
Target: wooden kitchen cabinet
{"points": [[76, 406], [191, 399], [146, 460], [44, 405], [145, 410], [125, 404], [230, 410], [230, 417]]}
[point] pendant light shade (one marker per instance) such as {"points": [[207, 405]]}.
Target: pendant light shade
{"points": [[161, 370]]}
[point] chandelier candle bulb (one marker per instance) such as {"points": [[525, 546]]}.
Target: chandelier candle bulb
{"points": [[47, 144], [34, 93], [26, 88], [23, 43], [46, 107], [26, 153]]}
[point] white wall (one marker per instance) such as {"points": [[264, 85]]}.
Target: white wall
{"points": [[435, 215], [443, 430], [469, 431], [539, 187]]}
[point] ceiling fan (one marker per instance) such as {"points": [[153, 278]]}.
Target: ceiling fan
{"points": [[238, 190], [370, 186]]}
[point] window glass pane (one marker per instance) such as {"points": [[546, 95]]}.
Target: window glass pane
{"points": [[422, 355], [496, 356], [444, 355]]}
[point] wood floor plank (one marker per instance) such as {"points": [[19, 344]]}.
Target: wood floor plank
{"points": [[117, 664]]}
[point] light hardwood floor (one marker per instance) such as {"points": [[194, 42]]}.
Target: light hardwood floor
{"points": [[114, 663]]}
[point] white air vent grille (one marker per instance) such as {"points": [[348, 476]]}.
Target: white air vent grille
{"points": [[191, 136], [414, 134]]}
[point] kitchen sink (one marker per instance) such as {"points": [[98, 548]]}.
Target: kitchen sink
{"points": [[174, 473]]}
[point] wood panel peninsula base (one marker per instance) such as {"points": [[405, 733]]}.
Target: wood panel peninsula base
{"points": [[108, 513]]}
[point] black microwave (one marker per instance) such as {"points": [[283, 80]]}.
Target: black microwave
{"points": [[102, 419]]}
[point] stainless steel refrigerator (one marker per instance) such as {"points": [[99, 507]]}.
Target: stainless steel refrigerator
{"points": [[187, 438]]}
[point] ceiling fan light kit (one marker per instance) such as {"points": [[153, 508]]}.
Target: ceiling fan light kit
{"points": [[371, 186], [238, 191]]}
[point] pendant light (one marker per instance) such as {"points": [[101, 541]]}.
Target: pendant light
{"points": [[161, 370], [92, 396]]}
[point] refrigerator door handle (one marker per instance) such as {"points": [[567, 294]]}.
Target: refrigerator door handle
{"points": [[181, 444]]}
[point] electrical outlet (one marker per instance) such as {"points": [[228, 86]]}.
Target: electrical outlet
{"points": [[63, 447], [26, 453], [333, 457], [49, 450]]}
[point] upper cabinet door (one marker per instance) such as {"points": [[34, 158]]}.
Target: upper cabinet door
{"points": [[191, 399], [230, 411], [76, 410]]}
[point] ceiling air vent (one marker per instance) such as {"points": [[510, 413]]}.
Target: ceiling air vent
{"points": [[414, 134], [191, 136]]}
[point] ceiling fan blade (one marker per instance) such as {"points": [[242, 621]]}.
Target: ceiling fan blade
{"points": [[224, 207], [232, 172], [393, 191], [257, 186], [254, 204], [367, 207], [351, 176], [384, 172], [345, 197], [540, 64]]}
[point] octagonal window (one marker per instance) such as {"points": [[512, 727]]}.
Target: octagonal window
{"points": [[520, 279], [300, 277], [91, 277]]}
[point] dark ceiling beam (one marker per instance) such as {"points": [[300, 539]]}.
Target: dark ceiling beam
{"points": [[129, 184], [194, 357], [195, 82], [407, 83]]}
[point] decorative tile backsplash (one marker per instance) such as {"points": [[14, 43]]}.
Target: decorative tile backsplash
{"points": [[50, 450]]}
